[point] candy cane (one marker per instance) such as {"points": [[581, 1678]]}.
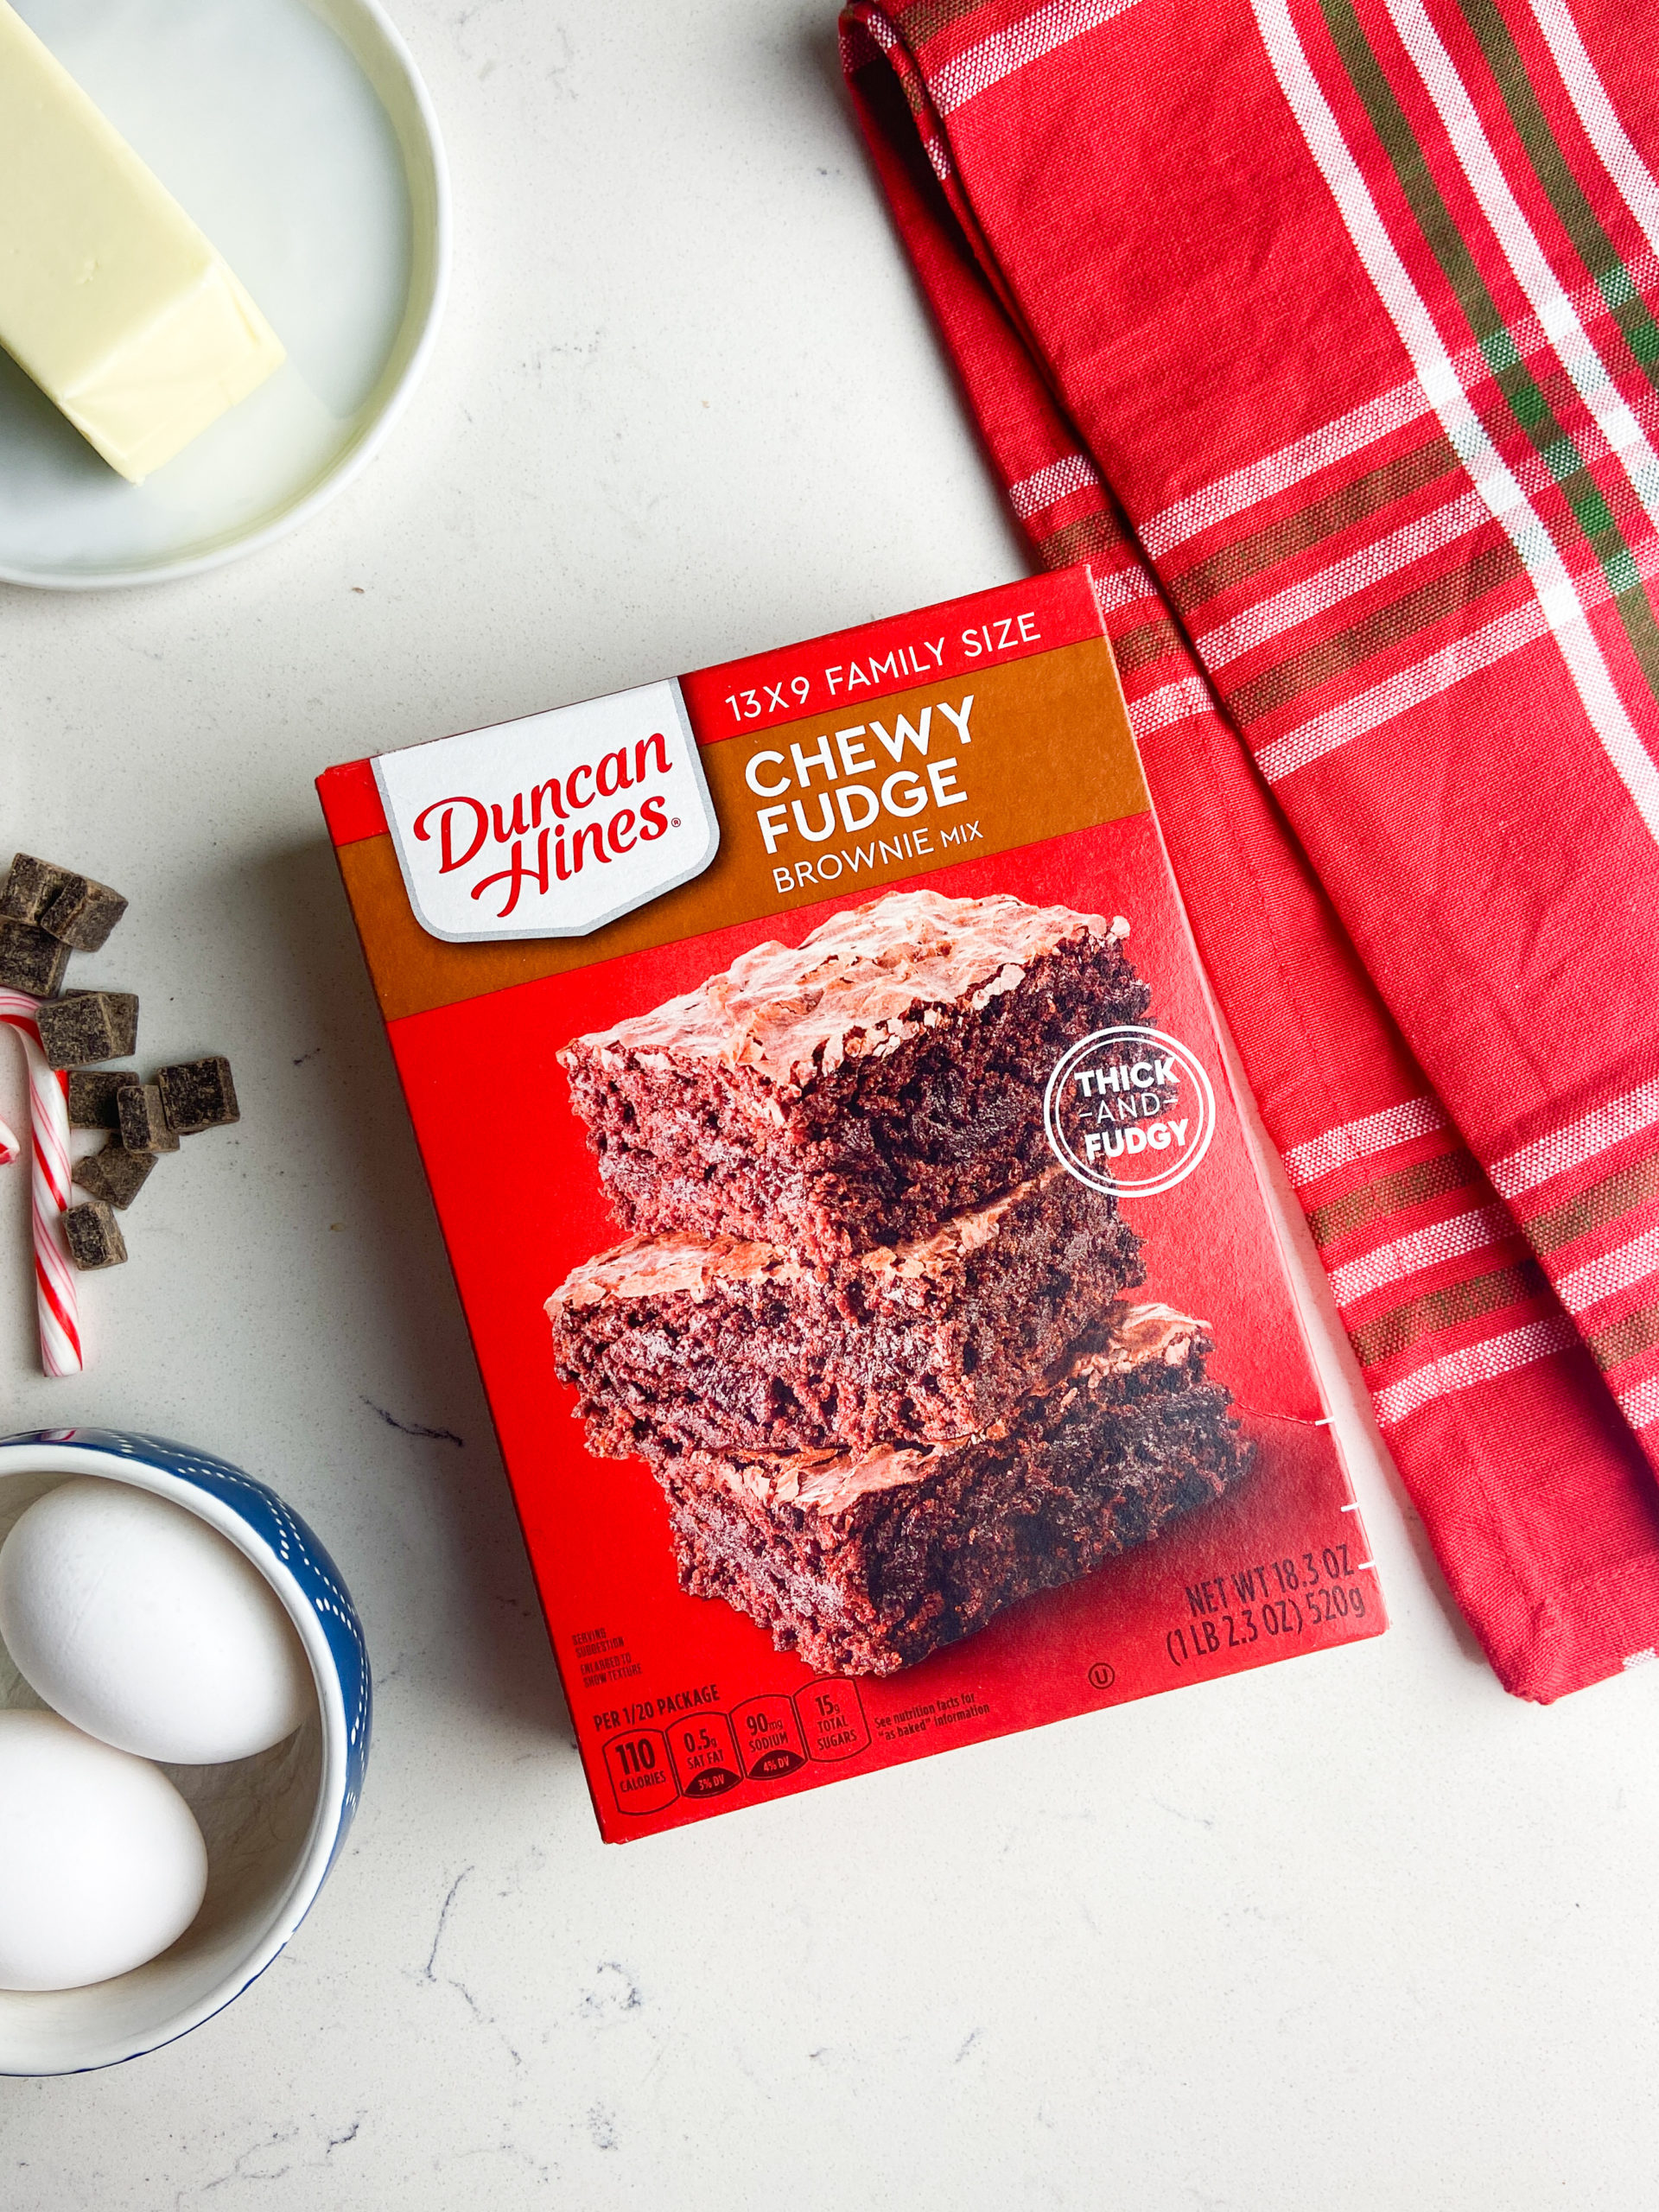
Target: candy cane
{"points": [[54, 1278]]}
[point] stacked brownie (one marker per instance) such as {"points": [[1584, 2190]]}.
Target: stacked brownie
{"points": [[870, 1339]]}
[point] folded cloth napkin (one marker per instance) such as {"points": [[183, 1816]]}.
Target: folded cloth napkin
{"points": [[1326, 333]]}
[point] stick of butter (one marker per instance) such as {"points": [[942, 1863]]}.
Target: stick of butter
{"points": [[111, 298]]}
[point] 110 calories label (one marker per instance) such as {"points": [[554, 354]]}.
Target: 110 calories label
{"points": [[709, 1752]]}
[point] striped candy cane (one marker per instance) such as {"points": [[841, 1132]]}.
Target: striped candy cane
{"points": [[54, 1277]]}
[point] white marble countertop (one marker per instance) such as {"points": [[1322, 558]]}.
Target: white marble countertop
{"points": [[1359, 1931]]}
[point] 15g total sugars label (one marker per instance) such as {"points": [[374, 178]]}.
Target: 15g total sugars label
{"points": [[1130, 1110]]}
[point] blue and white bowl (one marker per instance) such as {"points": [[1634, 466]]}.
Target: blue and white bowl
{"points": [[274, 1823]]}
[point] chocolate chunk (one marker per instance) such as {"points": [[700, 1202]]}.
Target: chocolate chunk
{"points": [[92, 1096], [87, 1026], [94, 1235], [199, 1095], [30, 960], [114, 1174], [144, 1125], [82, 913], [31, 886]]}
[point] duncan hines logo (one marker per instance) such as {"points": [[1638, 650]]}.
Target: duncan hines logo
{"points": [[553, 825]]}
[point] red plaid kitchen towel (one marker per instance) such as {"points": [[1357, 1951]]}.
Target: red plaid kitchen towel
{"points": [[1323, 331]]}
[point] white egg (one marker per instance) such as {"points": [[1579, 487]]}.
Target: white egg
{"points": [[102, 1865], [144, 1626]]}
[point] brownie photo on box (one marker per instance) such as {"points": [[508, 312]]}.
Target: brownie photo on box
{"points": [[864, 1562], [856, 1090], [687, 1343], [874, 1344]]}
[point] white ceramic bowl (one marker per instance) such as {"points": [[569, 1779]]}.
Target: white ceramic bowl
{"points": [[274, 1823]]}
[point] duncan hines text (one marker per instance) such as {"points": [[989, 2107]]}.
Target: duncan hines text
{"points": [[553, 825]]}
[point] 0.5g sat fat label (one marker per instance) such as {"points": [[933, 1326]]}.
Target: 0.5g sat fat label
{"points": [[1130, 1110]]}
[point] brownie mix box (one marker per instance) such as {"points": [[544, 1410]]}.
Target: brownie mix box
{"points": [[883, 1326]]}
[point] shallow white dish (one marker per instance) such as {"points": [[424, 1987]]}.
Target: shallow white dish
{"points": [[300, 136]]}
